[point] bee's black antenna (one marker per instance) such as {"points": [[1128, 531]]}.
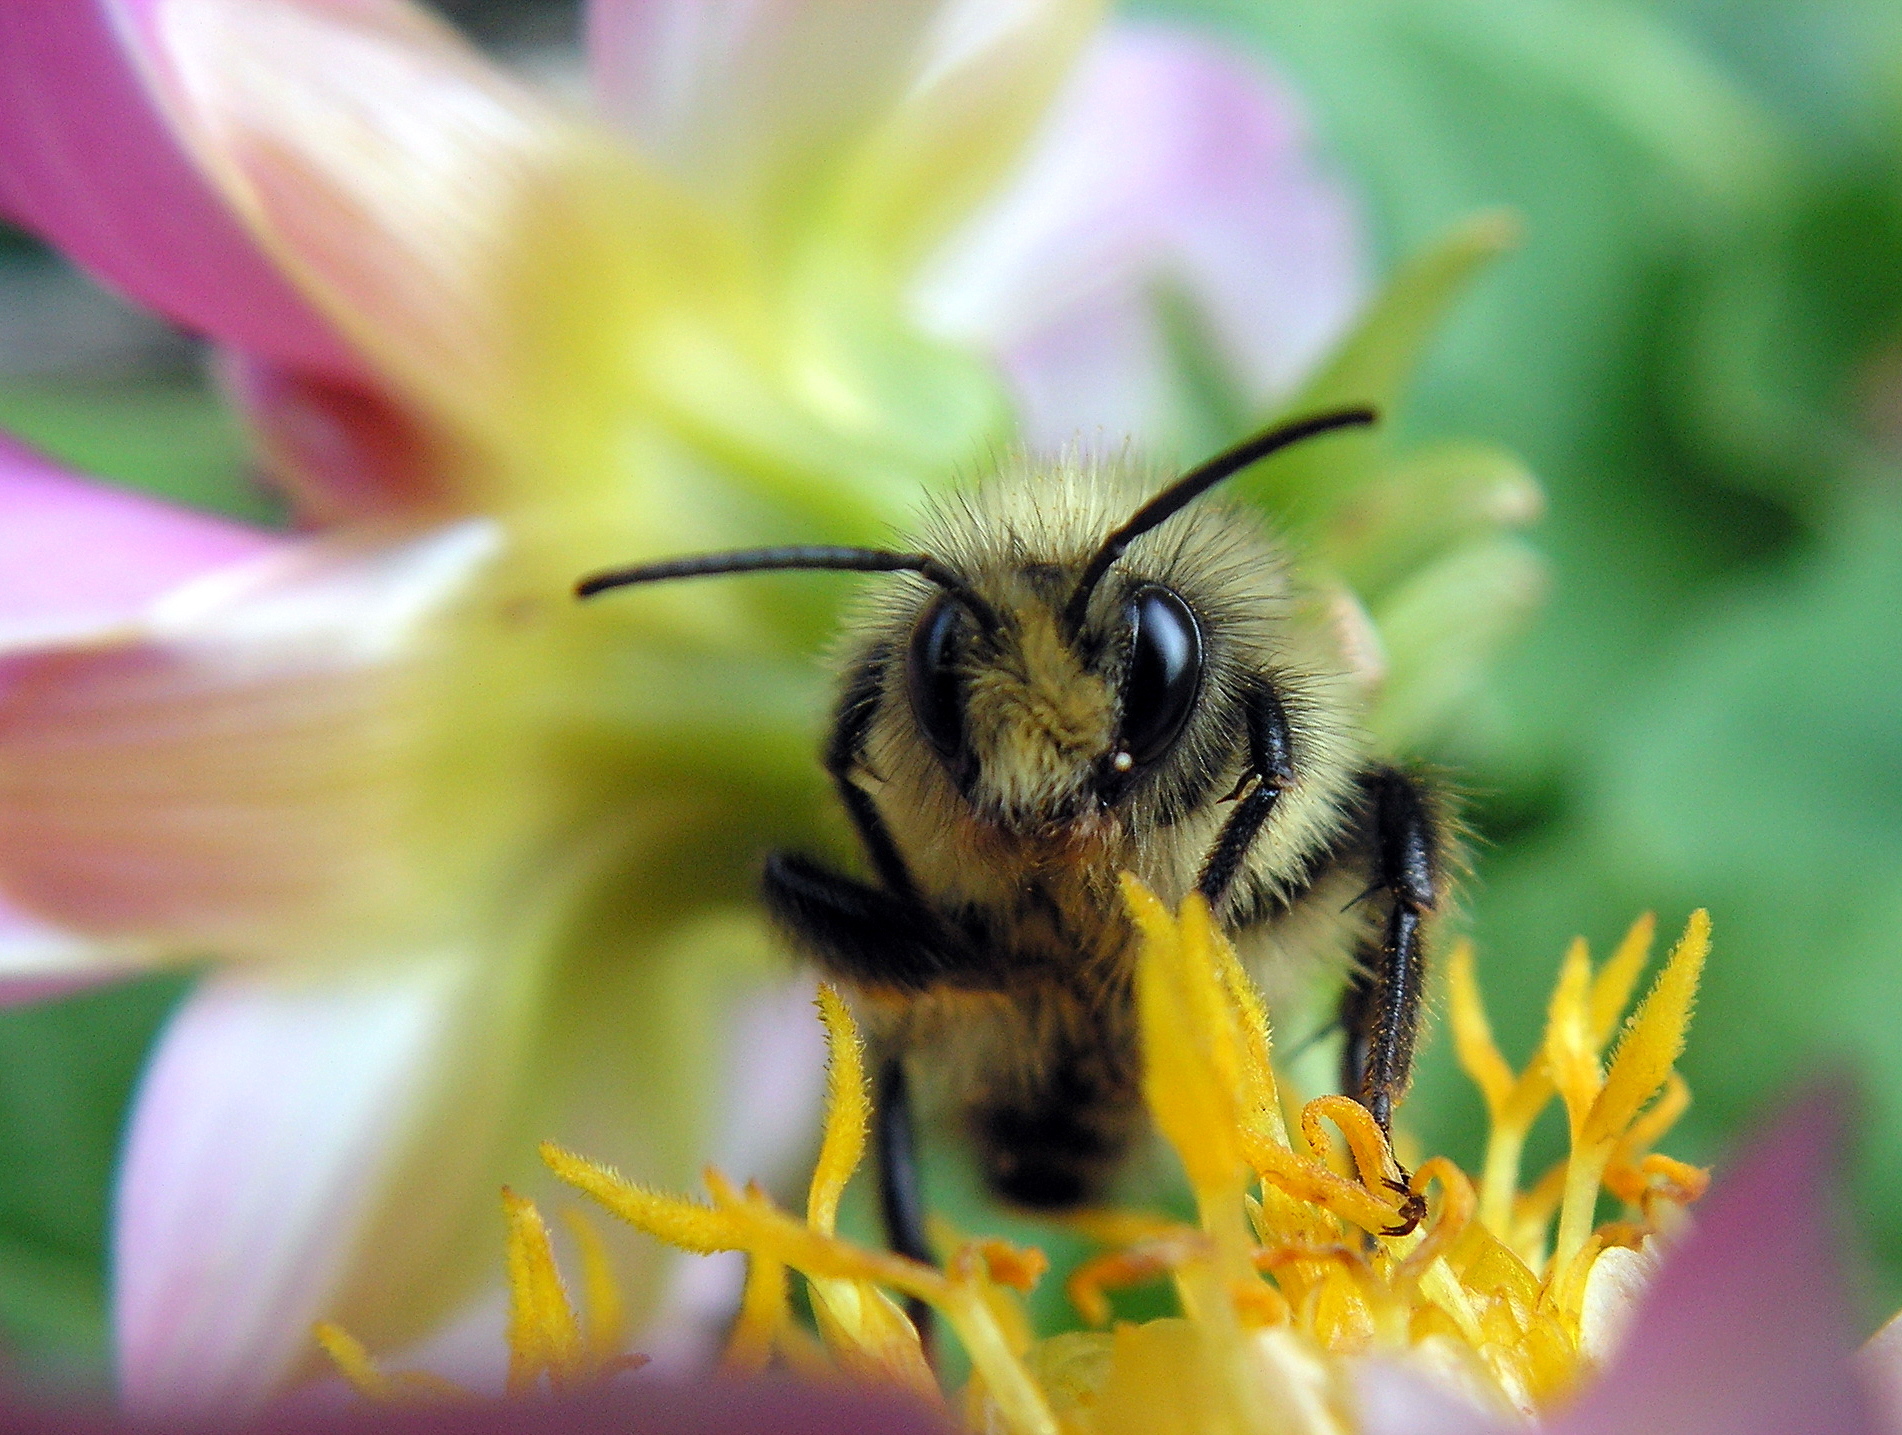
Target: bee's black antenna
{"points": [[792, 557], [1192, 485]]}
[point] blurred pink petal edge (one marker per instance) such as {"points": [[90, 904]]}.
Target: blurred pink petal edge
{"points": [[1746, 1329], [79, 561], [1879, 1362], [279, 696], [88, 161], [41, 963], [722, 91], [270, 1105], [1167, 164], [78, 558]]}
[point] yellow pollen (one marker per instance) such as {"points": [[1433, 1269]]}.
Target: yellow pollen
{"points": [[551, 1344], [1312, 1246]]}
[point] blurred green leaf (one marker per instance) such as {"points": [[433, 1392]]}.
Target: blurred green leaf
{"points": [[175, 439], [1698, 349], [1376, 365], [66, 1074]]}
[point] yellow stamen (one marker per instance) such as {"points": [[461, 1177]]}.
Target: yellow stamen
{"points": [[604, 1322], [353, 1362], [1571, 1056], [849, 1112], [547, 1339], [762, 1317], [1298, 1261], [1192, 1061], [1653, 1039], [1618, 978], [544, 1337]]}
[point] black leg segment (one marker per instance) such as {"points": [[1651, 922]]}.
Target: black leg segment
{"points": [[845, 752], [1381, 1011], [1270, 770], [901, 1196], [860, 933]]}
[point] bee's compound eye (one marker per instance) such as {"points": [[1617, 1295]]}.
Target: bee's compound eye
{"points": [[1165, 672], [931, 676]]}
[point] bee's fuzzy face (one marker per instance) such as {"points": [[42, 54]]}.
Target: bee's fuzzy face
{"points": [[1009, 737], [1040, 719]]}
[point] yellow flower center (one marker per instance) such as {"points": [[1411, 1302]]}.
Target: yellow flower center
{"points": [[1308, 1252]]}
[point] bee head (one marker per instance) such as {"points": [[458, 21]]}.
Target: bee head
{"points": [[1047, 704], [1041, 725], [1046, 690]]}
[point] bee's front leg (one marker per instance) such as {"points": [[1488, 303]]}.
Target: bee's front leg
{"points": [[862, 934], [1269, 773]]}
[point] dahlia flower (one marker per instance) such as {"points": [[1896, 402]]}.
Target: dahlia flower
{"points": [[463, 864]]}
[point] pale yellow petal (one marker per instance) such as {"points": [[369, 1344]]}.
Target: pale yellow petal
{"points": [[1612, 987], [495, 260], [1571, 1057], [1472, 1034], [871, 1336], [989, 74]]}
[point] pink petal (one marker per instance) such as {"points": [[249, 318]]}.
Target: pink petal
{"points": [[248, 772], [342, 451], [41, 963], [1168, 163], [746, 99], [306, 1146], [638, 1406], [1393, 1398], [890, 119], [77, 556], [1747, 1328], [89, 162], [1880, 1364], [423, 199]]}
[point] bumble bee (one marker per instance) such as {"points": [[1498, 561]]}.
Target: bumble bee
{"points": [[1072, 679]]}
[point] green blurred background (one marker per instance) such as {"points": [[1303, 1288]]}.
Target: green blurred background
{"points": [[1698, 348]]}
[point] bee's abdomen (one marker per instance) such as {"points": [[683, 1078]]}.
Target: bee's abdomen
{"points": [[1054, 1138]]}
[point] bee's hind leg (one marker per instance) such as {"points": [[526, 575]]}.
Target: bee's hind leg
{"points": [[901, 1195]]}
